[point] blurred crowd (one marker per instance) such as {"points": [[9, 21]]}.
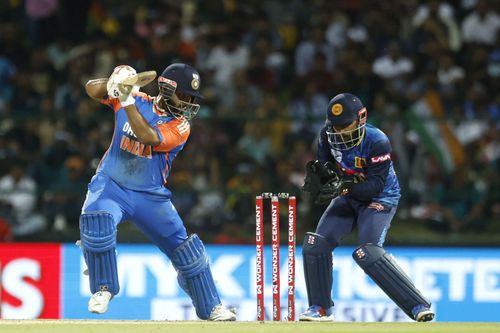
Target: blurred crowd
{"points": [[428, 72]]}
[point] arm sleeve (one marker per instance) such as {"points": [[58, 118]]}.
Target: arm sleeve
{"points": [[376, 173], [172, 134]]}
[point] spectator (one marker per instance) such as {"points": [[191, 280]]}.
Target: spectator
{"points": [[255, 143], [225, 59], [305, 53], [481, 25], [42, 21], [451, 79], [66, 194], [393, 71], [458, 204], [7, 71], [393, 65], [432, 86], [437, 18], [18, 202]]}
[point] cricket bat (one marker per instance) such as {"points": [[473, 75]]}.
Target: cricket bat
{"points": [[140, 79]]}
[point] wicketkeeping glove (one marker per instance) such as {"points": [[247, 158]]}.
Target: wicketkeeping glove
{"points": [[334, 188], [317, 175]]}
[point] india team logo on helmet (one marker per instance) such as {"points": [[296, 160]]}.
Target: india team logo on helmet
{"points": [[345, 121], [195, 82]]}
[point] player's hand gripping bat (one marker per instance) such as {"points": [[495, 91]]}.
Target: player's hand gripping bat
{"points": [[125, 80]]}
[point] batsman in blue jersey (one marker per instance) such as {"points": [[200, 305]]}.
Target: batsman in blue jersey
{"points": [[355, 176], [129, 184]]}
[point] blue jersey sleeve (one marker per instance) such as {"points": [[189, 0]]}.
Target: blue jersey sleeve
{"points": [[377, 170], [323, 153]]}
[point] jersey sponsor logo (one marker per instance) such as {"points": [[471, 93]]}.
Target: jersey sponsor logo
{"points": [[378, 159], [135, 147], [359, 162]]}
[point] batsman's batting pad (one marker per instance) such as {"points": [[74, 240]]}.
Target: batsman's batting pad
{"points": [[191, 262], [317, 256], [98, 239], [387, 274]]}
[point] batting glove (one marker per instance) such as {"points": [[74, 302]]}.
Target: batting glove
{"points": [[116, 88]]}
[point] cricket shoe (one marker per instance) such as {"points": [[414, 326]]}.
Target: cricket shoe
{"points": [[220, 313], [99, 301], [422, 312], [316, 313]]}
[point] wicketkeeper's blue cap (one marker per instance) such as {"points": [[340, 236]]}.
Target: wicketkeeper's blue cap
{"points": [[343, 109]]}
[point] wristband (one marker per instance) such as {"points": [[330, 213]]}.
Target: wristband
{"points": [[129, 101]]}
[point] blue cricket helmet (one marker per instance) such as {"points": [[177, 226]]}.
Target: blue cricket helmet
{"points": [[182, 78], [343, 110], [186, 77]]}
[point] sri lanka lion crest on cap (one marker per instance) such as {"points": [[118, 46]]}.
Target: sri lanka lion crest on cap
{"points": [[337, 109]]}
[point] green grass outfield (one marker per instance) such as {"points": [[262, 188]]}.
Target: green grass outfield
{"points": [[120, 326]]}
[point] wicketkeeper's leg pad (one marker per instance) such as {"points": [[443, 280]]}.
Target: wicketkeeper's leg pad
{"points": [[318, 273], [383, 269], [98, 241], [195, 277]]}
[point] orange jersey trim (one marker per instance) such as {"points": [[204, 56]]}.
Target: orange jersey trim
{"points": [[143, 96], [115, 102], [174, 133], [112, 102]]}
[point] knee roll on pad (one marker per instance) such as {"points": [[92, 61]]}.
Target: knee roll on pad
{"points": [[191, 262], [383, 269], [318, 273], [98, 240]]}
